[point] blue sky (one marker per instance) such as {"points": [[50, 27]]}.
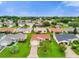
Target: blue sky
{"points": [[39, 8]]}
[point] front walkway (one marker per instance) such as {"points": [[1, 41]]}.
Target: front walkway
{"points": [[70, 54]]}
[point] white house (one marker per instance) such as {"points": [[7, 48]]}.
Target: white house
{"points": [[24, 30], [30, 24], [21, 23], [40, 29], [9, 23]]}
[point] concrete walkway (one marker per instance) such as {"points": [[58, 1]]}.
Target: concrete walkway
{"points": [[70, 54]]}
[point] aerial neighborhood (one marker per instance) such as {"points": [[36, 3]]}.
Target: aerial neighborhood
{"points": [[39, 36]]}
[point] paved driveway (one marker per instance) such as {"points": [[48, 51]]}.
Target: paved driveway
{"points": [[33, 51], [70, 54]]}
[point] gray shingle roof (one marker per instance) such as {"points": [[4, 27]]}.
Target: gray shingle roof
{"points": [[65, 37]]}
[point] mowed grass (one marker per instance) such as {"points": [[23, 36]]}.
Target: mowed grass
{"points": [[76, 51], [24, 49], [53, 50]]}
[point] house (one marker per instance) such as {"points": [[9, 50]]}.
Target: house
{"points": [[40, 37], [68, 29], [55, 30], [24, 30], [30, 24], [9, 23], [7, 29], [20, 36], [36, 38], [21, 23], [58, 26], [71, 29], [28, 21], [65, 38], [8, 39], [40, 29], [39, 22]]}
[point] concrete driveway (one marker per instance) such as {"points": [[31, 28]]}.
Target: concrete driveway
{"points": [[70, 54], [33, 51]]}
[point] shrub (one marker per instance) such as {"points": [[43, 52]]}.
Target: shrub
{"points": [[77, 48], [76, 42], [62, 47], [46, 24], [74, 47], [14, 49]]}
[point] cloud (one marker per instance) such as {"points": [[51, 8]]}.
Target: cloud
{"points": [[71, 3], [1, 2]]}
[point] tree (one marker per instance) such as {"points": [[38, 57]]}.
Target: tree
{"points": [[45, 46], [74, 47], [77, 48], [73, 24], [75, 31], [46, 23], [53, 23], [62, 47], [65, 20]]}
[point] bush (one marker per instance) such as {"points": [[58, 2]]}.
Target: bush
{"points": [[46, 24], [14, 49], [77, 48], [73, 24], [62, 47], [74, 47], [76, 42]]}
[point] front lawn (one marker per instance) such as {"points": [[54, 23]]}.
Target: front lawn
{"points": [[52, 49], [23, 49]]}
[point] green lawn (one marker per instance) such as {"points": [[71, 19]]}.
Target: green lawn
{"points": [[75, 46], [24, 49], [76, 51], [53, 50]]}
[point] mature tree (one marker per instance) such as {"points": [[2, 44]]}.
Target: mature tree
{"points": [[46, 23]]}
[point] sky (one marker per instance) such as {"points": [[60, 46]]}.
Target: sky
{"points": [[39, 8]]}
